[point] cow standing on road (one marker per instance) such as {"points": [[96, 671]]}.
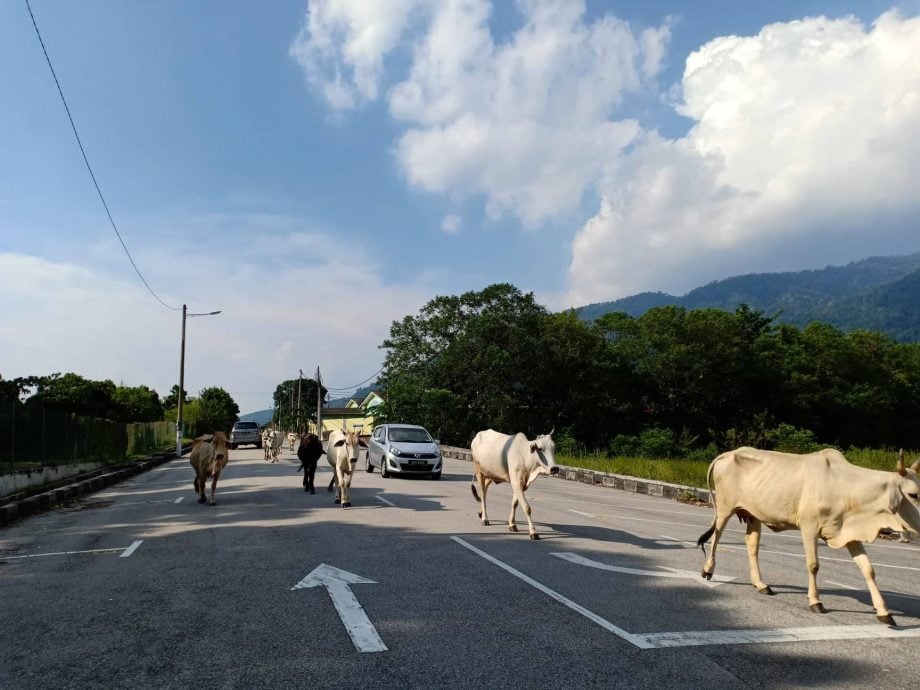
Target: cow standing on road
{"points": [[501, 458], [820, 494], [308, 452], [342, 453], [210, 454]]}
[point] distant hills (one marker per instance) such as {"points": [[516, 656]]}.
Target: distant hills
{"points": [[881, 293]]}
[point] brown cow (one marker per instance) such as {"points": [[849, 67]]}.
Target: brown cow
{"points": [[210, 454]]}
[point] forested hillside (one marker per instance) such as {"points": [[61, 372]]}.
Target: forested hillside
{"points": [[879, 293]]}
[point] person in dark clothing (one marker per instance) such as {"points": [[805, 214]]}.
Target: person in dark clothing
{"points": [[308, 452]]}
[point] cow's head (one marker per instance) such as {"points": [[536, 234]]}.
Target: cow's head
{"points": [[545, 450], [352, 444], [219, 441], [907, 502]]}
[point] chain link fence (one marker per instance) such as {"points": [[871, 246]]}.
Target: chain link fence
{"points": [[33, 436]]}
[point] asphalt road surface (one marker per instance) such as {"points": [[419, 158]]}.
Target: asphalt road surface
{"points": [[140, 586]]}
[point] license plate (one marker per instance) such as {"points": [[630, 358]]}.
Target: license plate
{"points": [[417, 462]]}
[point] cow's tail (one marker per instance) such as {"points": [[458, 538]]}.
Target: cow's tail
{"points": [[475, 493], [704, 537]]}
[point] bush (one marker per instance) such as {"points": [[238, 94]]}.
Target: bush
{"points": [[707, 454], [789, 439], [566, 444], [656, 443], [623, 446]]}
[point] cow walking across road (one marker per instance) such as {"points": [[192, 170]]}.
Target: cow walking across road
{"points": [[342, 453], [820, 494], [308, 452], [210, 454], [501, 458]]}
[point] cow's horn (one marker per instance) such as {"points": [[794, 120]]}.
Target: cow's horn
{"points": [[901, 469], [916, 466], [552, 431]]}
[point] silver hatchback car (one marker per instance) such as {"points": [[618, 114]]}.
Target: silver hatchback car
{"points": [[403, 449]]}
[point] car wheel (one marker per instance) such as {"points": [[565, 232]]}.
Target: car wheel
{"points": [[383, 469], [232, 446], [368, 467], [436, 475]]}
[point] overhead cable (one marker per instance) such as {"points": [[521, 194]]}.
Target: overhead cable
{"points": [[88, 167]]}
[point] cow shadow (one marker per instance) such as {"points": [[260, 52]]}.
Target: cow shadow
{"points": [[410, 502], [599, 533]]}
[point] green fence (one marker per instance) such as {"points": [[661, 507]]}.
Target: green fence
{"points": [[34, 436]]}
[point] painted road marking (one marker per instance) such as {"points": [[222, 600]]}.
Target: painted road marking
{"points": [[695, 638], [840, 584], [179, 500], [131, 549], [668, 572], [590, 615], [362, 632], [125, 552], [389, 503], [817, 634]]}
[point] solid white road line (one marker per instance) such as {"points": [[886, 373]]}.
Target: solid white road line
{"points": [[590, 615], [179, 500], [389, 503], [817, 634], [59, 553], [675, 573], [131, 549]]}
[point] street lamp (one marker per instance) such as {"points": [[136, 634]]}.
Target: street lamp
{"points": [[185, 315]]}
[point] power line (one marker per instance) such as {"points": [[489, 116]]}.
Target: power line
{"points": [[88, 167], [348, 388]]}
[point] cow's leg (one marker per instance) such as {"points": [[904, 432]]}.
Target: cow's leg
{"points": [[309, 471], [213, 501], [514, 504], [484, 483], [519, 497], [717, 527], [752, 539], [858, 553], [346, 491], [810, 540], [201, 484]]}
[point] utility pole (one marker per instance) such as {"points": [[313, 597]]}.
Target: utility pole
{"points": [[319, 406], [300, 429], [181, 384]]}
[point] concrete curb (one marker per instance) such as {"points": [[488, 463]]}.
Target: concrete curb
{"points": [[614, 481], [77, 486]]}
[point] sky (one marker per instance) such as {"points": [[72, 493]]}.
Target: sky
{"points": [[317, 170]]}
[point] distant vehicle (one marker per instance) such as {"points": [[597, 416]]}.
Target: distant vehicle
{"points": [[403, 449], [245, 432]]}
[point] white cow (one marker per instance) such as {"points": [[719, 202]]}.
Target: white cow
{"points": [[291, 437], [267, 443], [342, 452], [820, 494], [501, 458], [277, 440]]}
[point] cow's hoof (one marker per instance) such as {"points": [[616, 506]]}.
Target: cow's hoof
{"points": [[887, 620], [512, 528], [706, 576], [201, 500], [485, 522], [329, 490], [767, 590], [337, 501], [347, 504], [312, 491], [535, 537], [818, 608]]}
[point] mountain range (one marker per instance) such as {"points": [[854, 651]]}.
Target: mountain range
{"points": [[881, 293]]}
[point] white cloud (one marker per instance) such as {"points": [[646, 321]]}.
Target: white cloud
{"points": [[804, 150], [323, 308], [451, 223], [525, 122], [342, 45]]}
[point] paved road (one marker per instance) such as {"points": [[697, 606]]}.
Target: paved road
{"points": [[140, 586]]}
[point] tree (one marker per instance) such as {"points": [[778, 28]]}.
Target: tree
{"points": [[217, 411], [171, 401], [137, 404], [288, 413], [73, 393]]}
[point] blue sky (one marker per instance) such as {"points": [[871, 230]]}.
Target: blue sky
{"points": [[317, 170]]}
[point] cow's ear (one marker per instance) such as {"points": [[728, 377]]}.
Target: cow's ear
{"points": [[916, 466], [895, 496], [339, 443], [533, 448]]}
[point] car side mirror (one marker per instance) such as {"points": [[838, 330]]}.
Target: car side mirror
{"points": [[437, 442]]}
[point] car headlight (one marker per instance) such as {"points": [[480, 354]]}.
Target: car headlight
{"points": [[395, 452]]}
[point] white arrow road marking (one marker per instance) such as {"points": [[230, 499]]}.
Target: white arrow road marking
{"points": [[362, 632], [669, 572]]}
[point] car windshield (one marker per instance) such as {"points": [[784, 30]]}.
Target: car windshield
{"points": [[245, 425], [409, 436]]}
